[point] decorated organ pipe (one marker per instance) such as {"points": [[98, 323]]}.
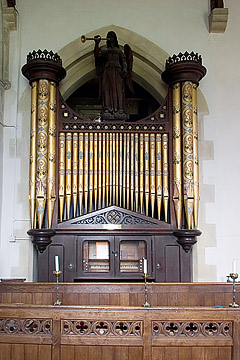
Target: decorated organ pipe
{"points": [[114, 169], [104, 170], [75, 173], [120, 176], [42, 149], [136, 171], [81, 173], [90, 160], [95, 169], [152, 172], [195, 155], [124, 173], [68, 163], [159, 173], [177, 153], [146, 166], [51, 177], [99, 171], [107, 168], [33, 153], [85, 172], [117, 150], [165, 175], [128, 170], [132, 171], [61, 179], [187, 136], [141, 172]]}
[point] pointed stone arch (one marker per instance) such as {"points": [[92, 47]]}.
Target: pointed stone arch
{"points": [[149, 62]]}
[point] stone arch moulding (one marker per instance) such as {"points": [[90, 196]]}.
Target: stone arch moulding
{"points": [[148, 65]]}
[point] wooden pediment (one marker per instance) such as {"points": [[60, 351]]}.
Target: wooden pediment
{"points": [[113, 217]]}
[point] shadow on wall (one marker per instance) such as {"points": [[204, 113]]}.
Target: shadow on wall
{"points": [[201, 271]]}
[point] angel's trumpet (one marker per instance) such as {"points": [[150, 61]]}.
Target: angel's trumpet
{"points": [[84, 38]]}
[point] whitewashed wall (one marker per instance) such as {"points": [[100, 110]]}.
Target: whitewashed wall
{"points": [[173, 26]]}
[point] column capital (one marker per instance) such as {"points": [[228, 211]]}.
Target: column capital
{"points": [[44, 65], [184, 67]]}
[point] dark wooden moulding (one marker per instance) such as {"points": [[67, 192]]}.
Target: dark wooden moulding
{"points": [[169, 248]]}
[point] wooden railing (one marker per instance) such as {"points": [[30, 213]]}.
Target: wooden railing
{"points": [[104, 333]]}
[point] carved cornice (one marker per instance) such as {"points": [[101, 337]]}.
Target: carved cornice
{"points": [[44, 55], [113, 217], [183, 57], [184, 67]]}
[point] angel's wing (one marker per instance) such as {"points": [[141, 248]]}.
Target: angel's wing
{"points": [[129, 59]]}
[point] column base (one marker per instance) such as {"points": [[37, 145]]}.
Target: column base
{"points": [[41, 238]]}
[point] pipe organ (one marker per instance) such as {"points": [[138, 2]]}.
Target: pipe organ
{"points": [[147, 169]]}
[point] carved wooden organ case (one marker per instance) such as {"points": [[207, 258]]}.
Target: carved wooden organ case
{"points": [[105, 195]]}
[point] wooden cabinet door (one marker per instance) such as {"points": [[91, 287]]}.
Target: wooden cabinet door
{"points": [[129, 253], [95, 257]]}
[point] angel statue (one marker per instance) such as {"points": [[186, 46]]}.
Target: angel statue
{"points": [[114, 71]]}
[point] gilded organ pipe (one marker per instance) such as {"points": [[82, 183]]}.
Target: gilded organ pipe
{"points": [[104, 171], [68, 173], [85, 173], [128, 170], [120, 169], [159, 173], [187, 135], [165, 175], [90, 159], [141, 172], [107, 168], [117, 169], [51, 178], [114, 152], [177, 154], [33, 153], [110, 168], [146, 166], [124, 168], [99, 170], [74, 172], [95, 171], [42, 143], [132, 172], [81, 172], [136, 172], [195, 155], [61, 178], [152, 172]]}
